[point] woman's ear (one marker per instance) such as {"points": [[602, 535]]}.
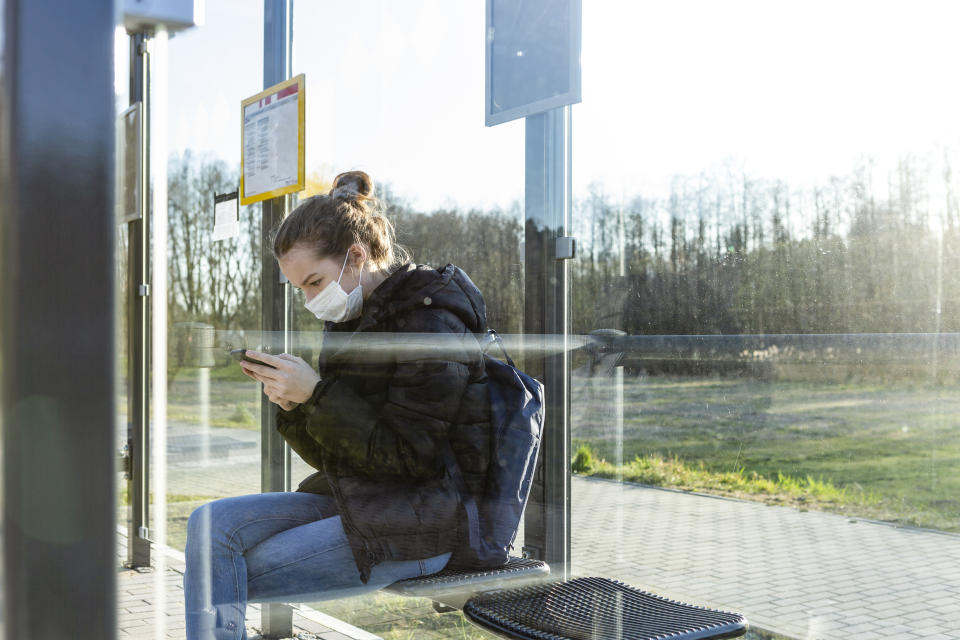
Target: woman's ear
{"points": [[358, 255]]}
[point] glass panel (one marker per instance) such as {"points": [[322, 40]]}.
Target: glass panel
{"points": [[766, 293], [121, 62], [121, 345], [396, 90], [213, 410], [762, 302], [212, 428]]}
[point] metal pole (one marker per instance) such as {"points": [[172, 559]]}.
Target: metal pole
{"points": [[159, 65], [138, 324], [276, 619], [57, 352], [546, 314]]}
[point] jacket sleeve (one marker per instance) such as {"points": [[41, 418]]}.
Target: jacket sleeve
{"points": [[292, 426], [405, 435]]}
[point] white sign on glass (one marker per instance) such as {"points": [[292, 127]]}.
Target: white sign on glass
{"points": [[272, 142], [129, 164], [226, 216]]}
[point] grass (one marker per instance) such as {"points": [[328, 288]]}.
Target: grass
{"points": [[171, 497], [179, 508], [807, 492], [882, 451], [397, 618], [879, 450], [234, 398]]}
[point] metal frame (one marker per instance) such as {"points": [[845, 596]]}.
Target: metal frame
{"points": [[57, 303], [276, 618], [547, 319], [546, 325], [138, 325]]}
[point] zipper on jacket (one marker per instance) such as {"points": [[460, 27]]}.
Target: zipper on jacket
{"points": [[344, 516], [370, 557]]}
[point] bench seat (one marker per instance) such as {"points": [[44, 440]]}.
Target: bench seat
{"points": [[519, 601], [454, 586], [596, 609]]}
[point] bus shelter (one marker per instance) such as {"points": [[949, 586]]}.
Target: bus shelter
{"points": [[742, 303]]}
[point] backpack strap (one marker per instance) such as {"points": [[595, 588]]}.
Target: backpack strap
{"points": [[494, 337], [466, 498]]}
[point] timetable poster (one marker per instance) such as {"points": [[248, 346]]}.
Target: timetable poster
{"points": [[272, 139]]}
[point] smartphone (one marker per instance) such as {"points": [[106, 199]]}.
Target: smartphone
{"points": [[241, 354]]}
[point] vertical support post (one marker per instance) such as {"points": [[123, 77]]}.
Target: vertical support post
{"points": [[159, 83], [138, 325], [57, 352], [546, 326], [275, 455], [277, 619]]}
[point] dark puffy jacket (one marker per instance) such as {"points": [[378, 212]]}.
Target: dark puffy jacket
{"points": [[397, 383]]}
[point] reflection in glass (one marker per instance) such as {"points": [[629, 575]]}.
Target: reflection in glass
{"points": [[214, 302], [777, 310], [211, 300]]}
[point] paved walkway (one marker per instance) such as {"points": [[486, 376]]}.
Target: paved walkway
{"points": [[804, 575], [141, 615], [800, 574]]}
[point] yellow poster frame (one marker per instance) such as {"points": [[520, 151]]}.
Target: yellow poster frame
{"points": [[301, 184]]}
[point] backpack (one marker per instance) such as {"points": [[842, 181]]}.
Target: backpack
{"points": [[516, 419]]}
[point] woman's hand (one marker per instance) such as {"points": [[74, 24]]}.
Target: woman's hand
{"points": [[290, 384]]}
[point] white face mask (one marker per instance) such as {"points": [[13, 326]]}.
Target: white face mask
{"points": [[333, 303]]}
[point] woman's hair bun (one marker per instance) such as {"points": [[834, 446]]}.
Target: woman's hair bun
{"points": [[330, 224], [352, 184]]}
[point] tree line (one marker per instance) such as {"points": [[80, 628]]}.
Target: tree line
{"points": [[720, 253]]}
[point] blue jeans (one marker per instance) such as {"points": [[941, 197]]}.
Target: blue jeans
{"points": [[273, 547]]}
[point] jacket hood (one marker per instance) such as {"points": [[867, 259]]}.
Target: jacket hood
{"points": [[416, 285]]}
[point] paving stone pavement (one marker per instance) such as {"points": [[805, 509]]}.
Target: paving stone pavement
{"points": [[224, 473], [805, 575], [139, 613], [232, 473], [801, 574]]}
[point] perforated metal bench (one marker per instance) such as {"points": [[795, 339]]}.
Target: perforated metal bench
{"points": [[504, 601], [453, 587]]}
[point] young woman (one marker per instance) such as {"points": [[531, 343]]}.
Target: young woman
{"points": [[400, 388]]}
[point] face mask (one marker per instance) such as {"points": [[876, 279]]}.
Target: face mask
{"points": [[333, 303]]}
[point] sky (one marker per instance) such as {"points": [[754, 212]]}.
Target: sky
{"points": [[793, 90]]}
